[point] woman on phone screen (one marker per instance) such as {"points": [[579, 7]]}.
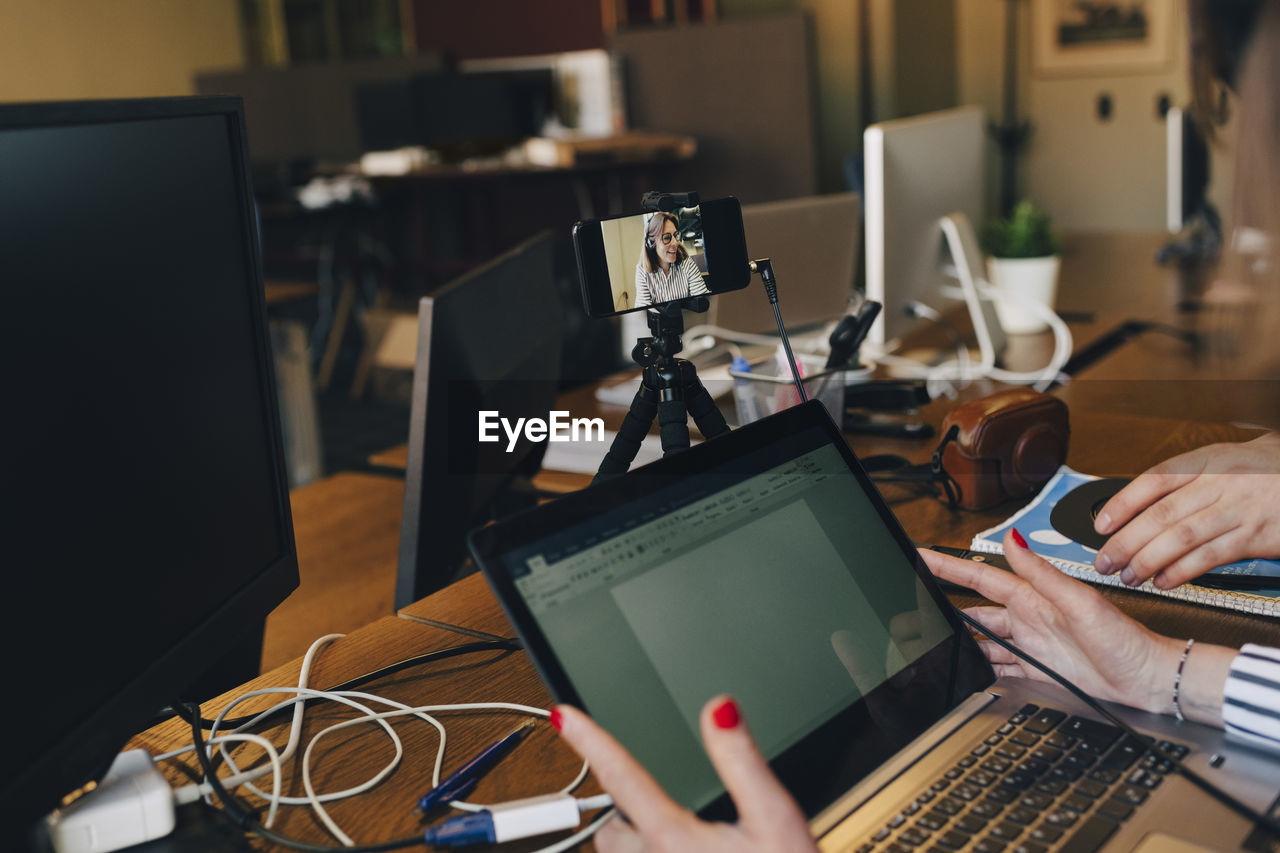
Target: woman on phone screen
{"points": [[665, 271]]}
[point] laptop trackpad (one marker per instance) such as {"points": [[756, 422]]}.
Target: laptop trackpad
{"points": [[1158, 842]]}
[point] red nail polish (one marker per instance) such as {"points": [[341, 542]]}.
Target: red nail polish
{"points": [[726, 715], [1017, 538], [557, 719]]}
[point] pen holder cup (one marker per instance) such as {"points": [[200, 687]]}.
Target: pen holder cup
{"points": [[768, 387]]}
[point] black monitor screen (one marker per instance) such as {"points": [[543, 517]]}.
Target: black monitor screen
{"points": [[147, 517], [487, 342]]}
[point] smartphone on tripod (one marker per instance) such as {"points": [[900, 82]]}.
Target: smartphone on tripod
{"points": [[635, 261]]}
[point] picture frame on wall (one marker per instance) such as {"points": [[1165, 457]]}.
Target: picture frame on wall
{"points": [[1072, 38]]}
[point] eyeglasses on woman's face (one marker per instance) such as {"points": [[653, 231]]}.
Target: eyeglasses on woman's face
{"points": [[668, 237]]}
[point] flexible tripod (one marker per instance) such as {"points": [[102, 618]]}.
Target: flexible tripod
{"points": [[669, 389]]}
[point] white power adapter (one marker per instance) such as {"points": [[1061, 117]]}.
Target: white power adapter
{"points": [[133, 803]]}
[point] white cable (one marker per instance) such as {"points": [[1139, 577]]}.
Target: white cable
{"points": [[600, 801], [345, 698], [295, 732], [1062, 340], [274, 765], [277, 770], [421, 711], [809, 342], [960, 369], [731, 335], [296, 728], [246, 777]]}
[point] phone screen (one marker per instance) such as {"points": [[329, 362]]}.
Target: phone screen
{"points": [[635, 261]]}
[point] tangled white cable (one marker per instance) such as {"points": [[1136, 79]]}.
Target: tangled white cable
{"points": [[355, 700]]}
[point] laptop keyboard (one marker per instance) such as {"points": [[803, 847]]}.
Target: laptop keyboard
{"points": [[1041, 781]]}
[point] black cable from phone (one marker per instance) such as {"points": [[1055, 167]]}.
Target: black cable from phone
{"points": [[765, 267]]}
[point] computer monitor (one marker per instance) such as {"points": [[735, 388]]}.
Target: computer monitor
{"points": [[459, 112], [813, 244], [146, 522], [1187, 169], [487, 342], [918, 171]]}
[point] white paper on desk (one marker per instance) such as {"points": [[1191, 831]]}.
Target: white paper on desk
{"points": [[584, 457], [621, 392]]}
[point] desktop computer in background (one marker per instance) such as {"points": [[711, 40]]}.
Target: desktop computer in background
{"points": [[919, 170], [1187, 169], [146, 522], [489, 341], [460, 114]]}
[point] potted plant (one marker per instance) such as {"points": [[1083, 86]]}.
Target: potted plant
{"points": [[1023, 262]]}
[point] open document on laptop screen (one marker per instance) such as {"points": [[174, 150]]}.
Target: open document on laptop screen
{"points": [[772, 577]]}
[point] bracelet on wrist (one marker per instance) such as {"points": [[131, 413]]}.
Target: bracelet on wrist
{"points": [[1177, 679]]}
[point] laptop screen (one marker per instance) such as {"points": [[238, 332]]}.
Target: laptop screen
{"points": [[768, 572]]}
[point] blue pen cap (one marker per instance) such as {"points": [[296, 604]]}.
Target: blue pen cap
{"points": [[460, 831], [740, 364]]}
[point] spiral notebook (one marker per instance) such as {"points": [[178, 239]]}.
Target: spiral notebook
{"points": [[1076, 560]]}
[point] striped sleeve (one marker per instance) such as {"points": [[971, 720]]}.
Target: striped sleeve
{"points": [[1251, 707], [643, 296], [693, 276]]}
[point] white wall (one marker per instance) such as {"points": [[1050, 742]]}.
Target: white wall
{"points": [[1088, 174], [623, 242], [68, 49]]}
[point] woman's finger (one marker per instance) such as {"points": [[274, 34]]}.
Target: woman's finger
{"points": [[634, 791], [617, 836], [1216, 552], [1043, 583], [983, 579], [997, 654], [764, 807], [994, 619], [1177, 541], [1168, 512], [1013, 670], [1149, 487]]}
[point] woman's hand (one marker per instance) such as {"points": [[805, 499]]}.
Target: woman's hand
{"points": [[769, 820], [1194, 512], [1066, 625]]}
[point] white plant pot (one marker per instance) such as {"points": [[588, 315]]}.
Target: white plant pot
{"points": [[1020, 280]]}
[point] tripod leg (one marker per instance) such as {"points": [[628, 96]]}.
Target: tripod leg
{"points": [[635, 426], [673, 425], [706, 415]]}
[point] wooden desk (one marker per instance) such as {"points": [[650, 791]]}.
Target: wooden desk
{"points": [[360, 514], [280, 292], [358, 753], [347, 529]]}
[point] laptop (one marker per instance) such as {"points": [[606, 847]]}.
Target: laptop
{"points": [[813, 244], [765, 564]]}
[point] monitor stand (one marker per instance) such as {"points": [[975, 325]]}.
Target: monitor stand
{"points": [[962, 243]]}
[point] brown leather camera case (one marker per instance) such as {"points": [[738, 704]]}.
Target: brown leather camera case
{"points": [[1007, 445]]}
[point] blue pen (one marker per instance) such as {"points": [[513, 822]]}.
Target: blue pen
{"points": [[465, 778]]}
